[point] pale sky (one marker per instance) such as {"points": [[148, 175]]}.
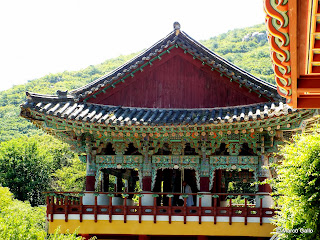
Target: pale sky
{"points": [[49, 36]]}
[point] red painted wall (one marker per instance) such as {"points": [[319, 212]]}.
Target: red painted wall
{"points": [[177, 81]]}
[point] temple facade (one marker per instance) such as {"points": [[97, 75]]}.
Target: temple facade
{"points": [[173, 141]]}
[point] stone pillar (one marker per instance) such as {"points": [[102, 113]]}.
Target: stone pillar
{"points": [[90, 173]]}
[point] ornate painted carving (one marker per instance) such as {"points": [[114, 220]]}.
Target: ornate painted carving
{"points": [[148, 147], [234, 148], [177, 148], [231, 162], [166, 160], [124, 159], [204, 167], [277, 22], [205, 147], [211, 178], [119, 147]]}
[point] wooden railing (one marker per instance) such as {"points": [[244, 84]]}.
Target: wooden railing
{"points": [[222, 205]]}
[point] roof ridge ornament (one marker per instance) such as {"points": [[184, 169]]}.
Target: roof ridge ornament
{"points": [[62, 94], [176, 28]]}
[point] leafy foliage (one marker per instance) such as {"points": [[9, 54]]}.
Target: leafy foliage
{"points": [[298, 185], [28, 166], [70, 178], [246, 48], [18, 220]]}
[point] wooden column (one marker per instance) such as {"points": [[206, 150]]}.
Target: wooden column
{"points": [[90, 182], [204, 174], [119, 183], [204, 184], [146, 174], [263, 174], [146, 183], [265, 187], [105, 186], [90, 173]]}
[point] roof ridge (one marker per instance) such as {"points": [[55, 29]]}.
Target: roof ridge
{"points": [[229, 63], [118, 115], [55, 98], [79, 90]]}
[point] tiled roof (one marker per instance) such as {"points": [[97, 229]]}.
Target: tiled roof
{"points": [[118, 115], [191, 46]]}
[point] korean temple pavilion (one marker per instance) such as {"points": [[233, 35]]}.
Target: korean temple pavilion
{"points": [[173, 141]]}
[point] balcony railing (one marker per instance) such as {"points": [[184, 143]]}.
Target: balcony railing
{"points": [[152, 204]]}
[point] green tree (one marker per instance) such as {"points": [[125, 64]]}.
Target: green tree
{"points": [[19, 220], [25, 169], [298, 187], [69, 178], [28, 167]]}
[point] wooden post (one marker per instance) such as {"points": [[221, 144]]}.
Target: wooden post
{"points": [[154, 209], [90, 174], [51, 208], [260, 211], [81, 209], [170, 204], [48, 205], [146, 183], [110, 209], [230, 211], [105, 182], [66, 209], [139, 209], [185, 211], [119, 183], [125, 210], [199, 210], [204, 184], [95, 208], [215, 210], [245, 211]]}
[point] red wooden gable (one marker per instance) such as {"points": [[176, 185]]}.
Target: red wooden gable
{"points": [[177, 81]]}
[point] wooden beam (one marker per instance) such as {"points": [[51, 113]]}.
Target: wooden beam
{"points": [[292, 13]]}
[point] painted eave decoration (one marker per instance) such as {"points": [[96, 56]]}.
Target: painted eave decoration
{"points": [[294, 38]]}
